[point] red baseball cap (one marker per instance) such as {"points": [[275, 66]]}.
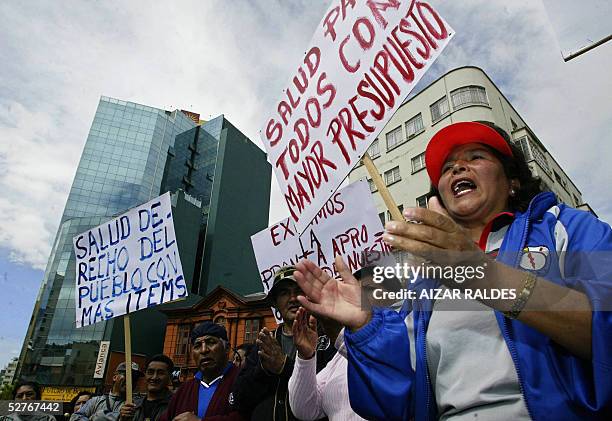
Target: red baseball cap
{"points": [[457, 134]]}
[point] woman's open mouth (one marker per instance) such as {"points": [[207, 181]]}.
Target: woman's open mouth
{"points": [[462, 186]]}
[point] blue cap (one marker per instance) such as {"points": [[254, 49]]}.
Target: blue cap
{"points": [[208, 328]]}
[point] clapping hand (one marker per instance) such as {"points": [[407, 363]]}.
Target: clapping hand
{"points": [[324, 296], [305, 334], [270, 353]]}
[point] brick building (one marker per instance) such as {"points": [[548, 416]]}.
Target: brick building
{"points": [[242, 316]]}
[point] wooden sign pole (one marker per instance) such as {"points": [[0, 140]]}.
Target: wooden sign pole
{"points": [[128, 358], [396, 215]]}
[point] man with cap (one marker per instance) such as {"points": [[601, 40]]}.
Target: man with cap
{"points": [[108, 407], [208, 395], [261, 391]]}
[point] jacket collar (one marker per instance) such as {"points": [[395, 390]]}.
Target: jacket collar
{"points": [[539, 205]]}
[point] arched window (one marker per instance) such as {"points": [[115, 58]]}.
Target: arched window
{"points": [[251, 328], [469, 95]]}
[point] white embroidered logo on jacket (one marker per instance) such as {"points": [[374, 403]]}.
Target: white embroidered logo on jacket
{"points": [[534, 258]]}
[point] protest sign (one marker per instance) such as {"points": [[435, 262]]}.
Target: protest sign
{"points": [[128, 263], [347, 225], [363, 60]]}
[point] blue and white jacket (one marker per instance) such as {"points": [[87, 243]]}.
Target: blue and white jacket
{"points": [[554, 383]]}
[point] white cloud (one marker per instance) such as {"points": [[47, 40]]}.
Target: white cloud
{"points": [[11, 347], [234, 58], [35, 173], [210, 57]]}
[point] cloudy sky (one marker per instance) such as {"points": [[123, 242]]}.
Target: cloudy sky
{"points": [[234, 57]]}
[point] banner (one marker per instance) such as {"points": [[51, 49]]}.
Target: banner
{"points": [[128, 263], [62, 393], [347, 225], [364, 59], [101, 360]]}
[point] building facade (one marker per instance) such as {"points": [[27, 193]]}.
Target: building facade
{"points": [[121, 166], [242, 316], [229, 175], [463, 94], [128, 160], [7, 375]]}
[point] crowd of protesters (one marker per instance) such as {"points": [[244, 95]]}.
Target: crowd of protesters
{"points": [[341, 355], [262, 381]]}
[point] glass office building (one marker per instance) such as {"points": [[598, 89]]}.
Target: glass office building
{"points": [[192, 161], [122, 165], [222, 169]]}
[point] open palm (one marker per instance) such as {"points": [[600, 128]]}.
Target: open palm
{"points": [[340, 301], [305, 335]]}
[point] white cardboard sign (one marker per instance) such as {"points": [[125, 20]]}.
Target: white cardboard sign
{"points": [[347, 225], [128, 264], [364, 59]]}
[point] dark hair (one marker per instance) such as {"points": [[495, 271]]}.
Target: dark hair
{"points": [[391, 284], [515, 167], [246, 346], [76, 398], [162, 359], [35, 386]]}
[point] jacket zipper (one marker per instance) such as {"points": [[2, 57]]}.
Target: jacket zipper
{"points": [[509, 340], [513, 354], [428, 383]]}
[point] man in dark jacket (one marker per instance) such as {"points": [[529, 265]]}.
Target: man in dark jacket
{"points": [[207, 396], [261, 391], [157, 377], [107, 407]]}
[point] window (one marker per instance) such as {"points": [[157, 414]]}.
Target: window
{"points": [[523, 144], [374, 150], [439, 109], [392, 176], [401, 209], [382, 218], [421, 201], [539, 157], [576, 201], [372, 186], [394, 138], [418, 162], [514, 125], [469, 95], [558, 178], [251, 328], [414, 126], [532, 152], [182, 339]]}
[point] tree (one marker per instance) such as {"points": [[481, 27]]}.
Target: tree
{"points": [[6, 392]]}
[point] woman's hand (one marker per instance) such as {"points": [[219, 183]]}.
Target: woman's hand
{"points": [[305, 334], [340, 301], [434, 236]]}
